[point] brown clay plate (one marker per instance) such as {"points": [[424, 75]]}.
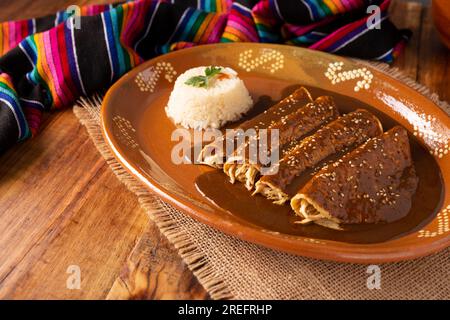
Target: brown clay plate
{"points": [[139, 133]]}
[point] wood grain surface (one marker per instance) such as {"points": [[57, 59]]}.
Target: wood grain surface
{"points": [[60, 205]]}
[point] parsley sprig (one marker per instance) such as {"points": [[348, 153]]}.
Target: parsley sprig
{"points": [[203, 81]]}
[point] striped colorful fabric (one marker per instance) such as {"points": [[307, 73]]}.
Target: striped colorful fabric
{"points": [[11, 109], [12, 33], [48, 63], [240, 26]]}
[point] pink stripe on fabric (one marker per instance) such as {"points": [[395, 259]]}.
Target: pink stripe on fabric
{"points": [[237, 26], [131, 28], [325, 42], [56, 77], [61, 58], [216, 33], [237, 17], [347, 5], [19, 26], [12, 34], [300, 30], [263, 12]]}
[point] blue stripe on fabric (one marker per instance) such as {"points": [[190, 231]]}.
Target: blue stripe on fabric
{"points": [[112, 44], [30, 26], [317, 8], [190, 18], [266, 36], [306, 39], [10, 97], [116, 32], [181, 28], [241, 10], [72, 61], [30, 49]]}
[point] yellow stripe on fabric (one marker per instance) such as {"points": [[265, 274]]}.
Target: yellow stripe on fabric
{"points": [[210, 28], [230, 36], [43, 68], [219, 6], [5, 37], [332, 6], [341, 8], [7, 80]]}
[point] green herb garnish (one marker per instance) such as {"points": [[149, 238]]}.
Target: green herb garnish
{"points": [[202, 81]]}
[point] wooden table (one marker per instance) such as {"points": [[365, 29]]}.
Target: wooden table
{"points": [[60, 204]]}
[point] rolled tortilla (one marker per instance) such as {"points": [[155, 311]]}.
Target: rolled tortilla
{"points": [[345, 132], [214, 153], [374, 183], [290, 128]]}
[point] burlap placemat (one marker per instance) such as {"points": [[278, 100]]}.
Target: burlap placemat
{"points": [[230, 268]]}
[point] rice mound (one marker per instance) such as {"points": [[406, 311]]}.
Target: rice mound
{"points": [[225, 99]]}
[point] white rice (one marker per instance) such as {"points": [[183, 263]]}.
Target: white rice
{"points": [[224, 100]]}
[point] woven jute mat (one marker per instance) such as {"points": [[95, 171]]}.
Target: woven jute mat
{"points": [[230, 268]]}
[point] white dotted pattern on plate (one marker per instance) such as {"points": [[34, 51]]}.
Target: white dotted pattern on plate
{"points": [[438, 144], [268, 59], [126, 131], [147, 79], [311, 240], [363, 76], [443, 225]]}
